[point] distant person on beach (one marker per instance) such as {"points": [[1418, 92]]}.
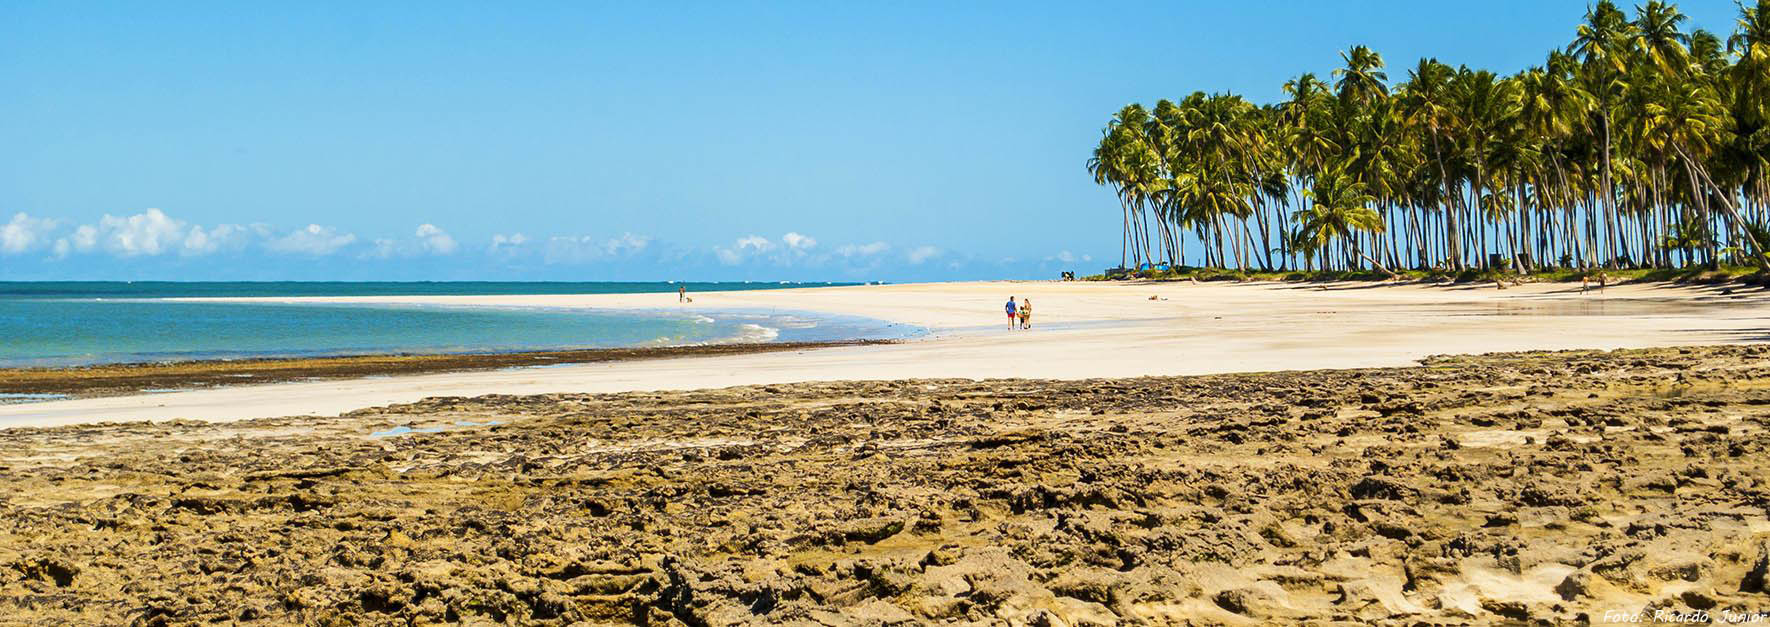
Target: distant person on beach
{"points": [[682, 293], [1011, 314], [1585, 282], [1026, 313]]}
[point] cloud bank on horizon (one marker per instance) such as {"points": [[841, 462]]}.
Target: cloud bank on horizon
{"points": [[152, 244]]}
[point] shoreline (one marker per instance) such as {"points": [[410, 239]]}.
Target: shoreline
{"points": [[1082, 330], [123, 379]]}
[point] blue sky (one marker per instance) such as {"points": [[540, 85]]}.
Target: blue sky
{"points": [[633, 141]]}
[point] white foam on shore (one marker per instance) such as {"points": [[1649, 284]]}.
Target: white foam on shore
{"points": [[756, 333], [794, 322]]}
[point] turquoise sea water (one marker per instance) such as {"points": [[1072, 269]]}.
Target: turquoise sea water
{"points": [[78, 323]]}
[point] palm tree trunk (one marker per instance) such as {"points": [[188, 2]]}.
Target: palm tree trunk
{"points": [[1147, 252], [1609, 199], [1418, 233], [1265, 236], [1450, 227], [1265, 262], [1521, 231], [1356, 251], [1125, 242], [1217, 236], [1756, 251], [1481, 214], [1180, 235]]}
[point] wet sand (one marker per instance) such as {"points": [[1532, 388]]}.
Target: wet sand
{"points": [[126, 379], [1540, 487], [1081, 330]]}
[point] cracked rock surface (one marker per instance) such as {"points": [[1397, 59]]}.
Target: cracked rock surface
{"points": [[1534, 487]]}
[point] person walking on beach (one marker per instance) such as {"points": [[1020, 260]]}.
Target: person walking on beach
{"points": [[682, 293], [1011, 314], [1026, 313]]}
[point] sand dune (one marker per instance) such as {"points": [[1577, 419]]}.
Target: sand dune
{"points": [[1082, 330]]}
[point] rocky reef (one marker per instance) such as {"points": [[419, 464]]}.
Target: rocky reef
{"points": [[1534, 487]]}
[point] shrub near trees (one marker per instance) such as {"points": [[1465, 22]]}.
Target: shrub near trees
{"points": [[1638, 145]]}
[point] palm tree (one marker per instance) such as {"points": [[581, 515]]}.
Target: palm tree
{"points": [[1562, 111], [1752, 43], [1656, 37], [1750, 81], [1693, 121], [1484, 109], [1426, 98], [1635, 145], [1106, 168], [1363, 79], [1550, 105], [1340, 211], [1126, 160], [1602, 43], [1687, 236]]}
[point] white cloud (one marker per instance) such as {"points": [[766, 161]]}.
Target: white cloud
{"points": [[744, 248], [200, 241], [84, 238], [428, 239], [756, 243], [24, 233], [435, 241], [151, 232], [627, 243], [155, 233], [862, 250], [313, 240], [796, 241], [507, 244], [793, 248], [585, 248]]}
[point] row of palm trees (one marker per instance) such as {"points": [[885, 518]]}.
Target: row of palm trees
{"points": [[1637, 145]]}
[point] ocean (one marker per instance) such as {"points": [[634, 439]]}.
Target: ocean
{"points": [[87, 323]]}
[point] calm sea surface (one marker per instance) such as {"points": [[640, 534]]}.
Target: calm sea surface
{"points": [[79, 323]]}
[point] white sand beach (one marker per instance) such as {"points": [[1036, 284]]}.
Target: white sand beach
{"points": [[1081, 330]]}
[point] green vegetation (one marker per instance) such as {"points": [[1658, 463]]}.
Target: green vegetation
{"points": [[1638, 149], [1688, 274]]}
